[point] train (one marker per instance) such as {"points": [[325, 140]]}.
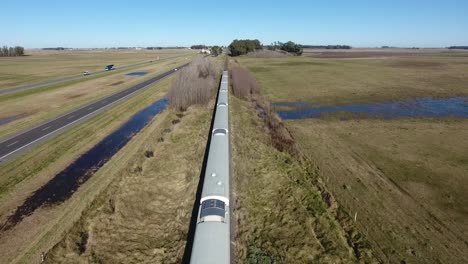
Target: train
{"points": [[212, 240]]}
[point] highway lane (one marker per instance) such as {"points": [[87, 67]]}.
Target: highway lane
{"points": [[76, 77], [18, 143]]}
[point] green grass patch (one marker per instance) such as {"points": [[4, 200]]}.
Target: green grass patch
{"points": [[326, 82]]}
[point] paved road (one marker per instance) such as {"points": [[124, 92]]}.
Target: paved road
{"points": [[12, 146], [76, 77]]}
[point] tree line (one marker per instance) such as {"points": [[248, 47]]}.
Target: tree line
{"points": [[11, 51], [56, 48], [199, 47], [327, 47], [244, 46], [458, 47]]}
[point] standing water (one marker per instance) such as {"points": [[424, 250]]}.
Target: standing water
{"points": [[7, 120], [137, 73], [64, 184], [419, 107]]}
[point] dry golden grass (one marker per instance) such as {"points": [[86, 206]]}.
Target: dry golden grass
{"points": [[143, 216], [406, 179]]}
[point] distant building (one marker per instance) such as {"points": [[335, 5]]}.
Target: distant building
{"points": [[205, 51]]}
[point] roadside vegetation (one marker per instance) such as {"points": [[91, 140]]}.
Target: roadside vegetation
{"points": [[195, 84], [401, 181]]}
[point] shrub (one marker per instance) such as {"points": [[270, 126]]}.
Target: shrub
{"points": [[216, 50], [243, 84], [195, 84], [292, 47], [149, 153]]}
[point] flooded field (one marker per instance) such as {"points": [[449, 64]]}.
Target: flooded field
{"points": [[414, 108]]}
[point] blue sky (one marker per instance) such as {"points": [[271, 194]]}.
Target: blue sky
{"points": [[37, 24]]}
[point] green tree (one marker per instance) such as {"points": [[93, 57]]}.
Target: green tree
{"points": [[244, 46], [216, 50], [292, 47]]}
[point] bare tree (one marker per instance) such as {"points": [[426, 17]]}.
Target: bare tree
{"points": [[6, 51], [244, 84], [195, 84]]}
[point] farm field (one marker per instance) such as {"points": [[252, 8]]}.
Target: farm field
{"points": [[44, 65], [32, 107], [405, 179]]}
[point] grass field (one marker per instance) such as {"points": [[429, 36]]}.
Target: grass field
{"points": [[36, 106], [328, 82], [405, 179], [41, 65], [40, 231], [281, 216]]}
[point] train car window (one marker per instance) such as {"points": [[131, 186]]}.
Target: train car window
{"points": [[213, 207], [220, 132]]}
